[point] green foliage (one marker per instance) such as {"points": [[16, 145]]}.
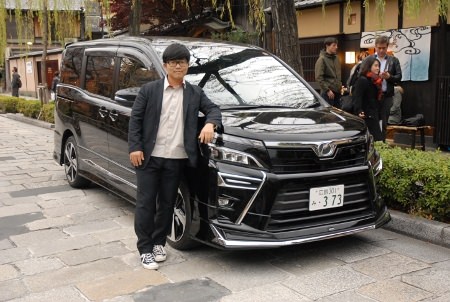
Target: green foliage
{"points": [[29, 108], [416, 181], [48, 113]]}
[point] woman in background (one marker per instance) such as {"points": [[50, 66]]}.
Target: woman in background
{"points": [[367, 95]]}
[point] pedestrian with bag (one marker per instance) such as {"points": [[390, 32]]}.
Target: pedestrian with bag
{"points": [[55, 82], [16, 83], [162, 139], [367, 95]]}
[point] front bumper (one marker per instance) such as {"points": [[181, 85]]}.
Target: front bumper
{"points": [[221, 234]]}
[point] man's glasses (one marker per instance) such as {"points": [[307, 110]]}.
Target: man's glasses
{"points": [[174, 63]]}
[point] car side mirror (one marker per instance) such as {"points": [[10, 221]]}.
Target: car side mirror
{"points": [[126, 96]]}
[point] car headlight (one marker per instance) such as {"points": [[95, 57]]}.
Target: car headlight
{"points": [[233, 156]]}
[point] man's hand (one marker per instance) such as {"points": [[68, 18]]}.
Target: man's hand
{"points": [[207, 134], [330, 94], [137, 158], [385, 75]]}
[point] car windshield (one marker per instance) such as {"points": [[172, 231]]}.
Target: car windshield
{"points": [[235, 76]]}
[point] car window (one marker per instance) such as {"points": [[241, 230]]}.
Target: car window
{"points": [[99, 75], [71, 66], [134, 74]]}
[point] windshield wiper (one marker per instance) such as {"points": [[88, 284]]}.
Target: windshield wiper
{"points": [[245, 107]]}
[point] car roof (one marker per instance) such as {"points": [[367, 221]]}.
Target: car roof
{"points": [[157, 41]]}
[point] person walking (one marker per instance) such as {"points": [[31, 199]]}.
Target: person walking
{"points": [[367, 95], [16, 83], [162, 139], [55, 82], [391, 73], [328, 73]]}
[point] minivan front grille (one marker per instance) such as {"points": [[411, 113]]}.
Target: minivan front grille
{"points": [[291, 207], [302, 160]]}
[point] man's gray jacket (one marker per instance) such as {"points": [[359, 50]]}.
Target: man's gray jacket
{"points": [[146, 112]]}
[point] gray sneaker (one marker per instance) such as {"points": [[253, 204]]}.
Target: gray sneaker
{"points": [[148, 261], [159, 253]]}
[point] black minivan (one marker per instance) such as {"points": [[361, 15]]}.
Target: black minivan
{"points": [[286, 167]]}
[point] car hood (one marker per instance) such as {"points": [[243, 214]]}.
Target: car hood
{"points": [[292, 124]]}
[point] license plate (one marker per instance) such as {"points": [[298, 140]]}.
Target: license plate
{"points": [[326, 197]]}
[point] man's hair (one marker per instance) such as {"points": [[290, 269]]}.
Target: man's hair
{"points": [[176, 51], [56, 73], [14, 69], [330, 40], [366, 65], [382, 40]]}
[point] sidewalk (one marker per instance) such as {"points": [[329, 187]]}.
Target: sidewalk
{"points": [[63, 244]]}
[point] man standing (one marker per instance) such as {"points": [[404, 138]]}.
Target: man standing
{"points": [[55, 82], [16, 83], [391, 73], [328, 73], [162, 139]]}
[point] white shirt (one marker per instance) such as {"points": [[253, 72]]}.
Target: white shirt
{"points": [[170, 137]]}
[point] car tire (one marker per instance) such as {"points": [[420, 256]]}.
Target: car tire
{"points": [[70, 163], [179, 237]]}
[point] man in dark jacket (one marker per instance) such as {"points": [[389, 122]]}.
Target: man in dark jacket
{"points": [[162, 138], [391, 73], [328, 73], [15, 82]]}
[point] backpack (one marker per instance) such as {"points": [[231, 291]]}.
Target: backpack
{"points": [[414, 121], [353, 78], [19, 83]]}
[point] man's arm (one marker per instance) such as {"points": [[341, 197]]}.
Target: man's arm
{"points": [[319, 74], [213, 118], [396, 75]]}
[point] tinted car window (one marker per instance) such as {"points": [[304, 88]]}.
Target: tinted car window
{"points": [[71, 66], [235, 76], [135, 74], [99, 75]]}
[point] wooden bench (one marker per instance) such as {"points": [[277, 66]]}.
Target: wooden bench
{"points": [[412, 130]]}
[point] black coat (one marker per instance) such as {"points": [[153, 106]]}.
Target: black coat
{"points": [[146, 113], [365, 97]]}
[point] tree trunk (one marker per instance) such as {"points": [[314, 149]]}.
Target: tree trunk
{"points": [[44, 97], [135, 18], [287, 45]]}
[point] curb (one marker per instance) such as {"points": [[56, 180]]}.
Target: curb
{"points": [[21, 118], [420, 228]]}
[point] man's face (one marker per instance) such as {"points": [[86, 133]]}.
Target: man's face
{"points": [[332, 48], [176, 69], [381, 49]]}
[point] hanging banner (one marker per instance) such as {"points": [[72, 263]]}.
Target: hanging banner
{"points": [[410, 45]]}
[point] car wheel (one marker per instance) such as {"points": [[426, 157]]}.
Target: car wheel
{"points": [[181, 222], [71, 165]]}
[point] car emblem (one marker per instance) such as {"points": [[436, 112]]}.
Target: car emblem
{"points": [[325, 149]]}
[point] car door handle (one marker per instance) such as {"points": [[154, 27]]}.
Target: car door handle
{"points": [[103, 112], [113, 115]]}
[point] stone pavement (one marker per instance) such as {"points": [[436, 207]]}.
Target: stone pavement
{"points": [[63, 244]]}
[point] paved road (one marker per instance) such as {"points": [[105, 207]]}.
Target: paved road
{"points": [[62, 244]]}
